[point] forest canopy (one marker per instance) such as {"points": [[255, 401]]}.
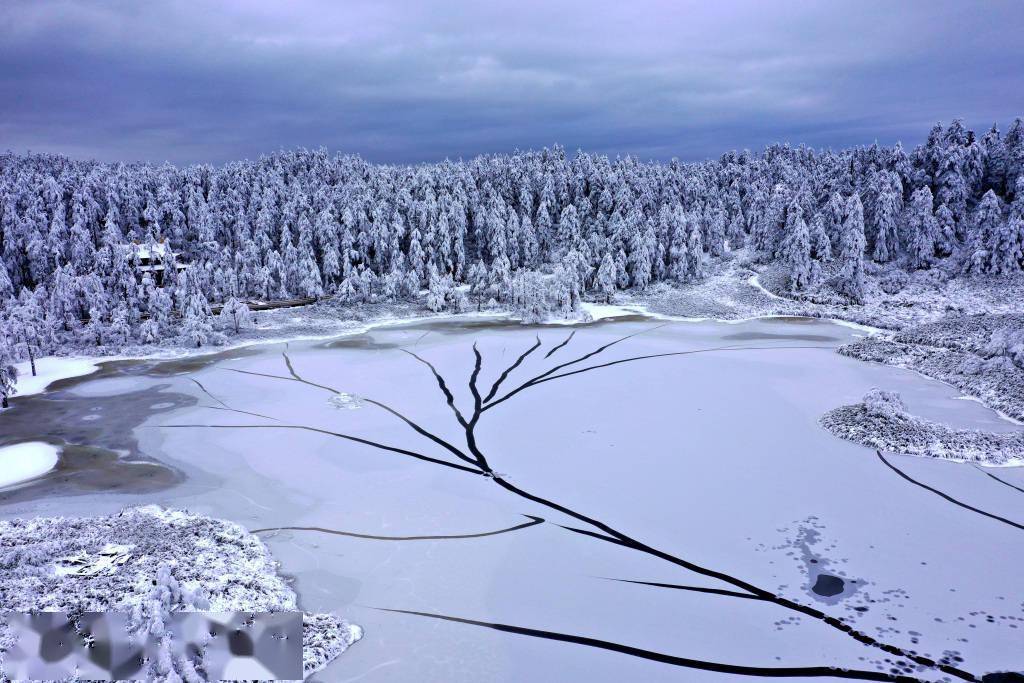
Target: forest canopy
{"points": [[110, 254]]}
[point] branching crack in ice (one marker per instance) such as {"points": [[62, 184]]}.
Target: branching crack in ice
{"points": [[477, 463]]}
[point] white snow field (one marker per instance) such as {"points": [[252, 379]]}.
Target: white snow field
{"points": [[25, 461], [673, 493]]}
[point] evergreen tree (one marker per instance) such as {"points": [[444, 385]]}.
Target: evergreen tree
{"points": [[796, 251], [1005, 248], [694, 255], [850, 280], [947, 241], [888, 204], [821, 245], [6, 286], [986, 239], [479, 284], [501, 279], [922, 227], [196, 326], [606, 277]]}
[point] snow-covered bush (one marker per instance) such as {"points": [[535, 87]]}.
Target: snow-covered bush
{"points": [[1008, 342], [235, 315], [893, 281], [883, 403]]}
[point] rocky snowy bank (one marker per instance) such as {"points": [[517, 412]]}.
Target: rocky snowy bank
{"points": [[881, 421], [149, 562]]}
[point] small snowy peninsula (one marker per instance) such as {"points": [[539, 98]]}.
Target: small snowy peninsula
{"points": [[148, 562]]}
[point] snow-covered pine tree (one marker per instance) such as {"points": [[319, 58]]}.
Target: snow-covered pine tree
{"points": [[606, 277], [796, 250], [922, 229], [984, 241], [1006, 246], [479, 283], [850, 281], [529, 296], [501, 279], [995, 154], [887, 207], [821, 245], [694, 255], [310, 284], [27, 328], [196, 325], [735, 235]]}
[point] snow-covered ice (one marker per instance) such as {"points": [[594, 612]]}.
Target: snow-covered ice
{"points": [[25, 461]]}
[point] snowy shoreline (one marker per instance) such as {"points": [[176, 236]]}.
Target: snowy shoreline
{"points": [[730, 296]]}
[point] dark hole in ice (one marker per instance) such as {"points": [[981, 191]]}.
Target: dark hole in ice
{"points": [[240, 644], [828, 585]]}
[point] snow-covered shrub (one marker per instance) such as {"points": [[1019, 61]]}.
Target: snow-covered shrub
{"points": [[893, 282], [235, 316], [884, 403], [1008, 342]]}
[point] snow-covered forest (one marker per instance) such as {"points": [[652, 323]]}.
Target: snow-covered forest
{"points": [[109, 254]]}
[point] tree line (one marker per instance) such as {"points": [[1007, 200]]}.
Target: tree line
{"points": [[533, 230]]}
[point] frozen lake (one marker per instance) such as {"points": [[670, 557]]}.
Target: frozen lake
{"points": [[715, 521]]}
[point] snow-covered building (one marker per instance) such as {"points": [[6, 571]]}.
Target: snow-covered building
{"points": [[152, 260]]}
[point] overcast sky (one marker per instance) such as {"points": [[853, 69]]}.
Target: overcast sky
{"points": [[420, 81]]}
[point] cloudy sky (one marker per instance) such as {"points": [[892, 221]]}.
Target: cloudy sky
{"points": [[412, 81]]}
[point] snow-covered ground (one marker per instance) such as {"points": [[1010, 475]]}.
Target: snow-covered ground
{"points": [[715, 457], [26, 461], [51, 369], [148, 562]]}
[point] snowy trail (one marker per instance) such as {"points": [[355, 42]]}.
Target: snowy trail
{"points": [[755, 281]]}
